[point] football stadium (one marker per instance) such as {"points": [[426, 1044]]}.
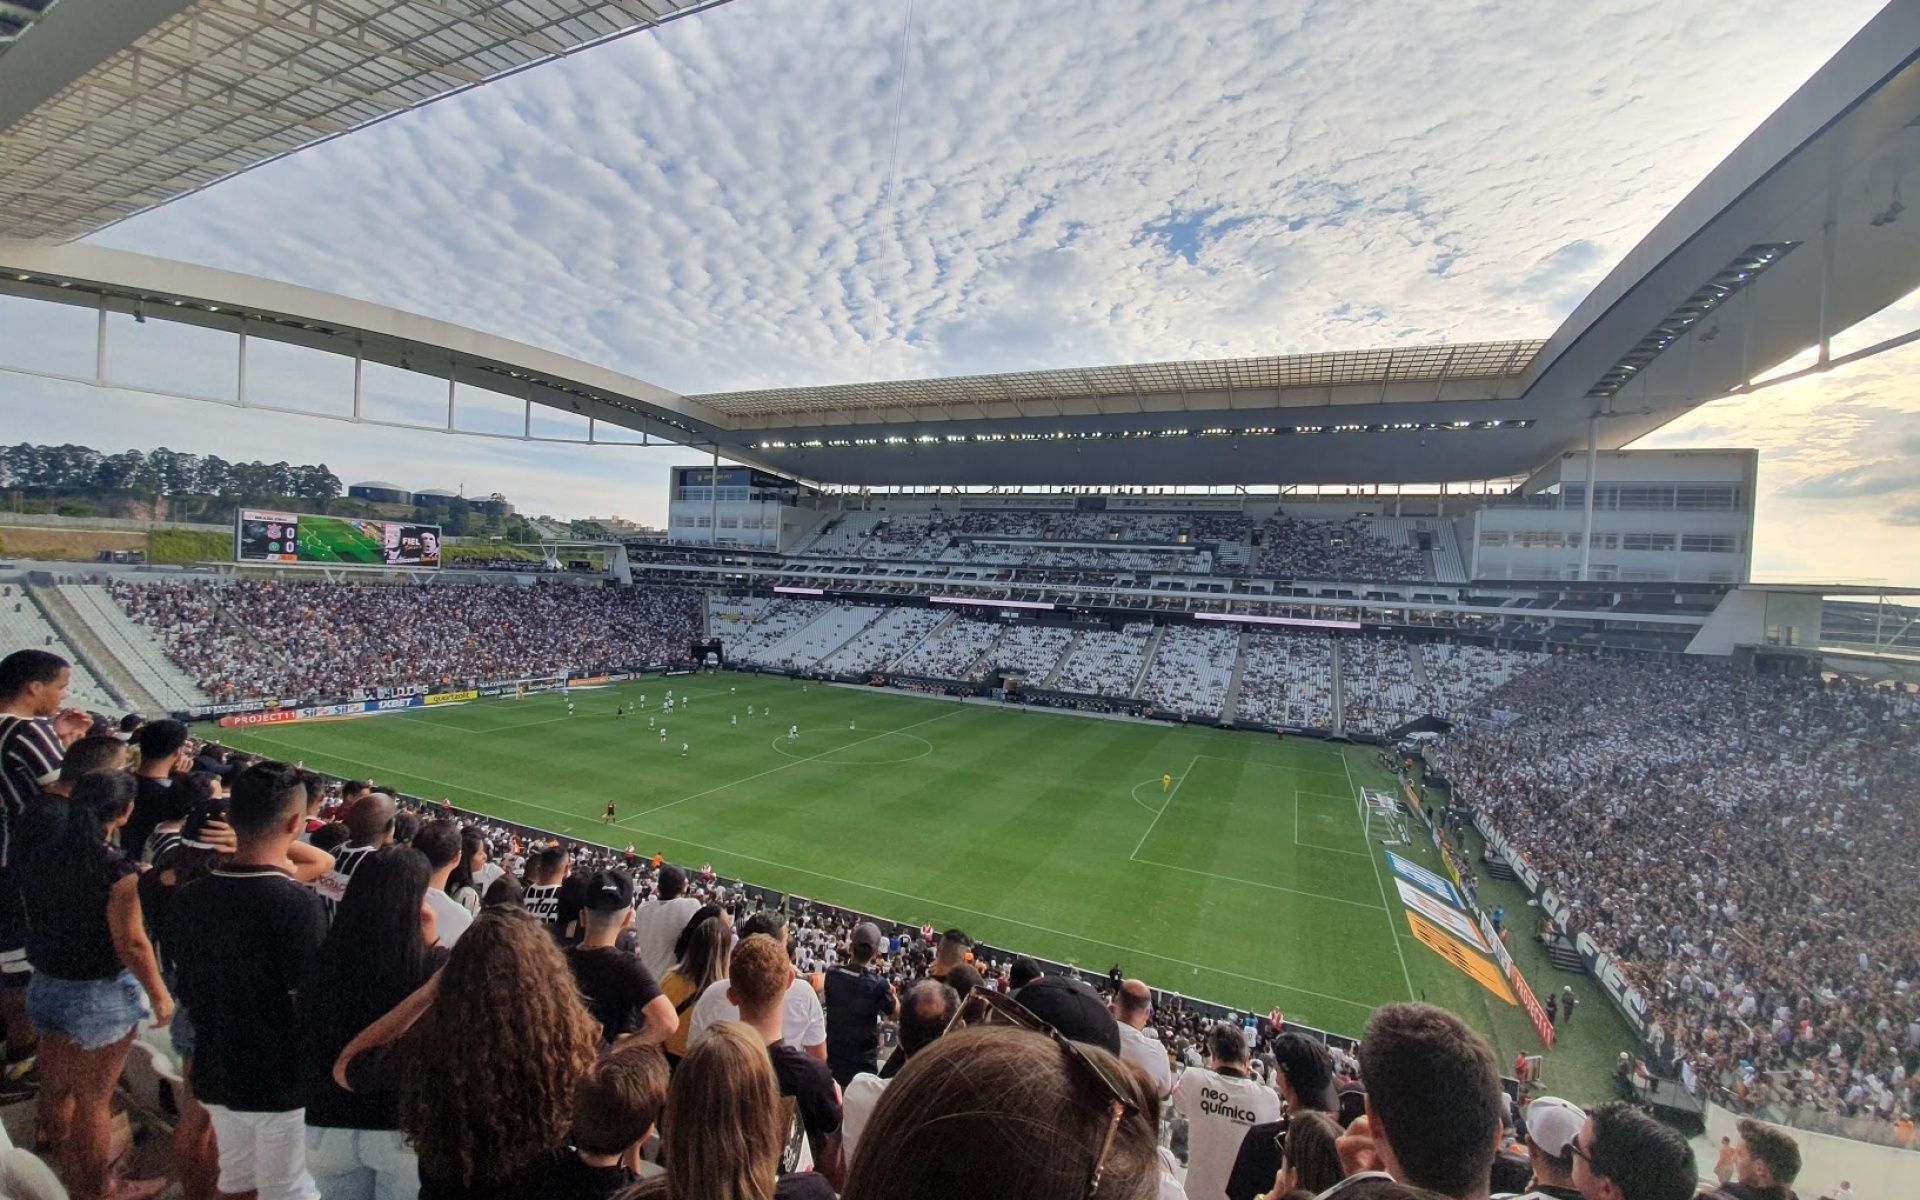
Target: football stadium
{"points": [[1373, 769]]}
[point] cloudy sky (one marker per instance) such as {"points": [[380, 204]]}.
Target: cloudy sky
{"points": [[758, 196]]}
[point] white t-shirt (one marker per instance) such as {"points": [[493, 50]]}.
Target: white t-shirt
{"points": [[1141, 1048], [450, 916], [803, 1022], [856, 1106], [656, 926], [1219, 1110], [484, 878]]}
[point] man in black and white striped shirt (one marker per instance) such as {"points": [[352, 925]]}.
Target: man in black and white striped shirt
{"points": [[369, 826], [35, 730]]}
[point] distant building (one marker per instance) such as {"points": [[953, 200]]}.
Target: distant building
{"points": [[376, 492], [623, 527]]}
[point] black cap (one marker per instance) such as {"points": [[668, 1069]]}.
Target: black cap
{"points": [[609, 891], [1074, 1009]]}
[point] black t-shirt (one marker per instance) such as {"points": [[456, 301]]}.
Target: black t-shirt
{"points": [[802, 1185], [1258, 1162], [810, 1083], [154, 801], [67, 932], [175, 864], [335, 1003], [244, 937], [617, 986], [856, 999], [557, 906], [560, 1175]]}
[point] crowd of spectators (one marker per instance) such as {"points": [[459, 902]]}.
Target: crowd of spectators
{"points": [[1743, 843], [1105, 662], [1192, 669], [1459, 676], [1377, 689], [1292, 548], [875, 648], [380, 997], [1287, 679], [953, 653], [246, 638]]}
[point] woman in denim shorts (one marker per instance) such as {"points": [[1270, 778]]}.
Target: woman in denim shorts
{"points": [[94, 976]]}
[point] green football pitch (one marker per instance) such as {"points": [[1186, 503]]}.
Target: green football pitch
{"points": [[1246, 879]]}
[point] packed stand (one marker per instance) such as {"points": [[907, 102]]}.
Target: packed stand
{"points": [[1377, 689], [954, 652], [1744, 844], [1459, 676], [328, 639], [1105, 663], [876, 647], [1287, 679], [832, 626], [1292, 548], [1191, 670], [138, 652], [1035, 649]]}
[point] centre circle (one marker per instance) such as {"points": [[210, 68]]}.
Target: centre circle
{"points": [[871, 750]]}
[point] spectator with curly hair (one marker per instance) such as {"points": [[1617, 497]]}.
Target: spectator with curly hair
{"points": [[490, 1053]]}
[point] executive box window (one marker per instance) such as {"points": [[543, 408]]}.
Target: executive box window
{"points": [[1646, 541], [1710, 543]]}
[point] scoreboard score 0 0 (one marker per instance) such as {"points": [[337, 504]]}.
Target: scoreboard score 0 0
{"points": [[263, 536]]}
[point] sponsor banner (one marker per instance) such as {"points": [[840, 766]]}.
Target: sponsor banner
{"points": [[1535, 1013], [1413, 872], [1521, 867], [453, 697], [352, 708], [240, 720], [1625, 996], [679, 671], [1451, 919], [1480, 970], [1493, 938], [1604, 968], [493, 691], [240, 706], [589, 681], [1413, 797]]}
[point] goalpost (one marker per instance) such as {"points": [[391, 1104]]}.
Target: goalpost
{"points": [[1383, 816]]}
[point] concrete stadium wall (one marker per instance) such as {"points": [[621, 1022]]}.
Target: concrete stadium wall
{"points": [[1876, 1172]]}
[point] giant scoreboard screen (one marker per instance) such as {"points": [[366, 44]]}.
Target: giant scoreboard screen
{"points": [[261, 536]]}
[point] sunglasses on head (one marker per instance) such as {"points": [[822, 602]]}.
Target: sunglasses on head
{"points": [[984, 1007]]}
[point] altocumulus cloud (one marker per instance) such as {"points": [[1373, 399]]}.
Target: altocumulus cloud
{"points": [[726, 204]]}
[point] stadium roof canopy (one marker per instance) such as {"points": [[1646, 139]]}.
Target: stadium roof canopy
{"points": [[1797, 235], [110, 107]]}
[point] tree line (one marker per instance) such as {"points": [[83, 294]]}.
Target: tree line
{"points": [[163, 472]]}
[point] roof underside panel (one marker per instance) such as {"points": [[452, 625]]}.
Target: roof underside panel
{"points": [[1434, 364], [225, 85]]}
